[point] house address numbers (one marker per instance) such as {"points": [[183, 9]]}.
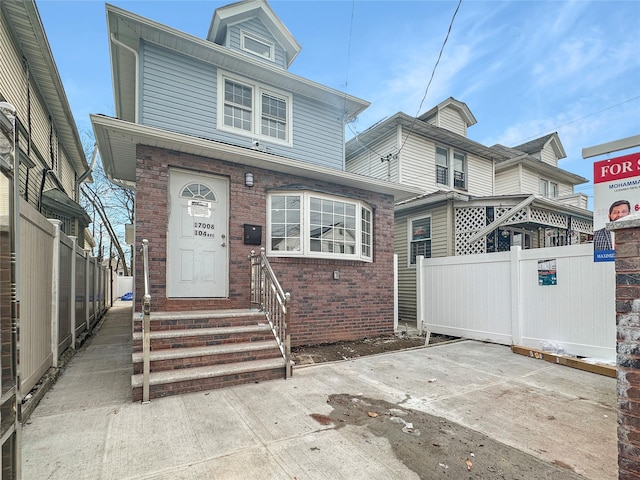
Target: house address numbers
{"points": [[203, 229]]}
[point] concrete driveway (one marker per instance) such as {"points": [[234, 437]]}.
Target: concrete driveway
{"points": [[86, 427]]}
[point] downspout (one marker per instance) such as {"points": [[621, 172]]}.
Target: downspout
{"points": [[135, 54]]}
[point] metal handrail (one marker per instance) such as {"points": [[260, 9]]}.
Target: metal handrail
{"points": [[146, 324], [269, 297]]}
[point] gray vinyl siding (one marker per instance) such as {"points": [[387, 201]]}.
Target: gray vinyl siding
{"points": [[418, 163], [406, 273], [12, 77], [548, 155], [257, 28], [564, 189], [530, 182], [66, 174], [367, 161], [508, 182], [418, 167], [318, 134], [450, 119], [480, 176], [179, 94]]}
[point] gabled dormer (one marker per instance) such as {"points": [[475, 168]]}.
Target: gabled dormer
{"points": [[451, 115], [548, 149], [252, 28]]}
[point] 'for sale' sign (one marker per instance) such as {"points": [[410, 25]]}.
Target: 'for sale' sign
{"points": [[616, 194]]}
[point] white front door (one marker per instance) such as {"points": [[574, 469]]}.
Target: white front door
{"points": [[197, 260]]}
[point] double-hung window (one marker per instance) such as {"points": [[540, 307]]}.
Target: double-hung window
{"points": [[254, 110], [315, 225], [548, 188], [452, 174], [442, 166], [420, 238]]}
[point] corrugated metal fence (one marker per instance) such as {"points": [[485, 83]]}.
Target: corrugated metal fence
{"points": [[511, 298], [63, 293]]}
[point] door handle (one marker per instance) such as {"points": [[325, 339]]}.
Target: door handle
{"points": [[223, 244]]}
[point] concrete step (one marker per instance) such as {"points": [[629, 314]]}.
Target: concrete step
{"points": [[196, 379]]}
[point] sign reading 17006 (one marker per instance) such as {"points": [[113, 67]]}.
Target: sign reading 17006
{"points": [[203, 229]]}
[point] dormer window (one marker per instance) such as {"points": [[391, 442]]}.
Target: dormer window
{"points": [[252, 44]]}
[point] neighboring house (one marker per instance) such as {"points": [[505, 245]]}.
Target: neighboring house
{"points": [[218, 139], [476, 199], [51, 156]]}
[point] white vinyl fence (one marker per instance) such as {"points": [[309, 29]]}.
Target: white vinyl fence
{"points": [[62, 292], [509, 298], [122, 285]]}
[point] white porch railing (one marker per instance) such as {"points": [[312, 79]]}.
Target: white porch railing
{"points": [[146, 324], [268, 296]]}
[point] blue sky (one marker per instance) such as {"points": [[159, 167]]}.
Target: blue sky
{"points": [[524, 68]]}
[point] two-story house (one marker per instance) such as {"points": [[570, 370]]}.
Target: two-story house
{"points": [[229, 152], [52, 163], [476, 199]]}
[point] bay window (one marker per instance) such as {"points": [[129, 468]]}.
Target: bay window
{"points": [[314, 225]]}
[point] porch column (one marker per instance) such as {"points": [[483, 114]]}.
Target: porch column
{"points": [[627, 247]]}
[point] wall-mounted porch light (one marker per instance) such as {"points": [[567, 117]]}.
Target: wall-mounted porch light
{"points": [[248, 179]]}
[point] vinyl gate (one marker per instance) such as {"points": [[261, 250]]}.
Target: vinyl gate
{"points": [[510, 298]]}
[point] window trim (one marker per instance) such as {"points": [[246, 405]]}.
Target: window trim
{"points": [[305, 227], [251, 36], [410, 239], [549, 187], [450, 167], [257, 90]]}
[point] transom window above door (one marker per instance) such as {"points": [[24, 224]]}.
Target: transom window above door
{"points": [[253, 110], [198, 190]]}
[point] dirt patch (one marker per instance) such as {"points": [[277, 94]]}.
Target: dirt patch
{"points": [[347, 350], [435, 448]]}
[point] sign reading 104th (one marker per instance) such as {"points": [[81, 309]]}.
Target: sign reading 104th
{"points": [[616, 194]]}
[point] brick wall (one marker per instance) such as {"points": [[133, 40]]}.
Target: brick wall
{"points": [[628, 348], [357, 305]]}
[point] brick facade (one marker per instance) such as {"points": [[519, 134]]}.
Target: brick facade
{"points": [[628, 350], [356, 305]]}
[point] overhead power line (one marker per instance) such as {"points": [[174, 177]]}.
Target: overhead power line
{"points": [[433, 72]]}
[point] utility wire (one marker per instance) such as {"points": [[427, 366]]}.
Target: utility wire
{"points": [[555, 129], [346, 80], [433, 72]]}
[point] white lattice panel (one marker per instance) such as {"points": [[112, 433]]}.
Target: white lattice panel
{"points": [[500, 211], [470, 219], [464, 248], [581, 225], [517, 217], [551, 219]]}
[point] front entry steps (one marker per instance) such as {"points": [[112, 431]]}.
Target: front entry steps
{"points": [[196, 351]]}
